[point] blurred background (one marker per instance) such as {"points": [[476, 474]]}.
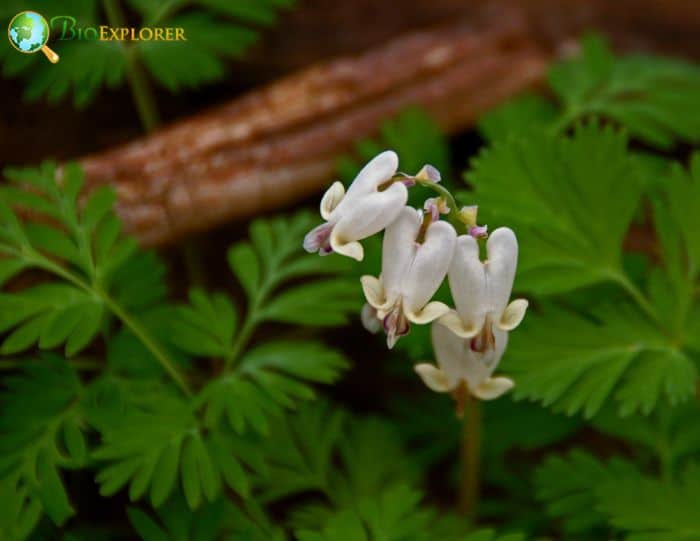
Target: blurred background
{"points": [[268, 101]]}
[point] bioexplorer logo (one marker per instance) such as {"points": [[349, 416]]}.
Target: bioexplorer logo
{"points": [[29, 32]]}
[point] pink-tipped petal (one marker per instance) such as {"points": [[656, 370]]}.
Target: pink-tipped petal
{"points": [[318, 239]]}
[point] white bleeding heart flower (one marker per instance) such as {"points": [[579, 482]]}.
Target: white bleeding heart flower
{"points": [[464, 370], [481, 291], [368, 207], [470, 341], [369, 318], [415, 259]]}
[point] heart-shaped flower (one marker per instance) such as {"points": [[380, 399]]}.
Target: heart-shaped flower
{"points": [[371, 203], [416, 254]]}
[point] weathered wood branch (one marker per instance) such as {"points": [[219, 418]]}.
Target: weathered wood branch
{"points": [[281, 143]]}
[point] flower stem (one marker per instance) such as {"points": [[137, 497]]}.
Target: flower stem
{"points": [[470, 458], [453, 215]]}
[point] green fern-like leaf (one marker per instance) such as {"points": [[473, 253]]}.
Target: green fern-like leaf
{"points": [[571, 202], [393, 514], [517, 118], [567, 486], [206, 327], [80, 245], [41, 432], [650, 509], [649, 96], [49, 314], [273, 258], [220, 520], [576, 363], [268, 379], [152, 440]]}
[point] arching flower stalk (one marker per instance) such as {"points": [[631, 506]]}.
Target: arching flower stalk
{"points": [[416, 254], [470, 341]]}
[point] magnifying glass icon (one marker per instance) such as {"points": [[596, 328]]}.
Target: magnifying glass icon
{"points": [[29, 32]]}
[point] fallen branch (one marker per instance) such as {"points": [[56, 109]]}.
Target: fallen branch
{"points": [[280, 143]]}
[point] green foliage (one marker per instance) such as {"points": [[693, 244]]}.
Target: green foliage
{"points": [[570, 200], [273, 258], [568, 485], [155, 440], [152, 438], [653, 510], [591, 496], [576, 362], [207, 327], [219, 521], [268, 379], [649, 96], [81, 246], [393, 515], [518, 117], [215, 31], [41, 432]]}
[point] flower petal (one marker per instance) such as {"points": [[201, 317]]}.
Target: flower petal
{"points": [[456, 358], [433, 377], [429, 267], [493, 388], [502, 249], [429, 313], [351, 249], [454, 322], [467, 279], [368, 215], [331, 199], [450, 351], [378, 170], [513, 315], [374, 291], [370, 321], [399, 249], [317, 240]]}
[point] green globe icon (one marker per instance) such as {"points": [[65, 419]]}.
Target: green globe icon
{"points": [[29, 32]]}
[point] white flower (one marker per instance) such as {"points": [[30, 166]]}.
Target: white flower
{"points": [[462, 369], [415, 260], [470, 342], [481, 290], [361, 212]]}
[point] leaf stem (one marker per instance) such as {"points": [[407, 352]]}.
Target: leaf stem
{"points": [[141, 333], [242, 339], [141, 90], [470, 458], [625, 283], [251, 321], [146, 339]]}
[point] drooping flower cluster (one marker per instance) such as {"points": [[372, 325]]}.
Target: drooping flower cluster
{"points": [[419, 250]]}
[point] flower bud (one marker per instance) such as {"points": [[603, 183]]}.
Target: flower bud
{"points": [[467, 215], [429, 173]]}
